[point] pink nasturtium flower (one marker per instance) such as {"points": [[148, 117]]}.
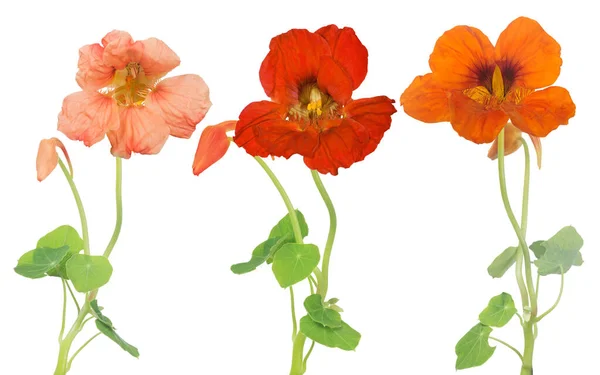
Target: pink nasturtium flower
{"points": [[125, 97], [47, 157]]}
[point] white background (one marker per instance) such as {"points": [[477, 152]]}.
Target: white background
{"points": [[419, 220]]}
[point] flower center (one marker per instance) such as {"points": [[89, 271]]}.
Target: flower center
{"points": [[313, 104], [482, 94], [130, 87]]}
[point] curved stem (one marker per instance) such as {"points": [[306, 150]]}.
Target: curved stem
{"points": [[119, 222], [312, 283], [324, 284], [508, 346], [62, 364], [524, 214], [64, 311], [73, 296], [562, 283], [81, 348], [294, 323], [517, 229], [312, 345], [285, 197], [298, 365], [84, 227]]}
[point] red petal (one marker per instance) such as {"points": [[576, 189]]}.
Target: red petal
{"points": [[212, 146], [253, 115], [293, 59], [334, 80]]}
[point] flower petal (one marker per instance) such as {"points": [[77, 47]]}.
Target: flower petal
{"points": [[527, 50], [212, 146], [334, 80], [462, 58], [47, 158], [425, 101], [537, 145], [182, 101], [471, 120], [354, 137], [294, 58], [87, 116], [119, 49], [142, 131], [347, 51], [93, 74], [542, 111], [512, 142], [251, 116], [157, 58]]}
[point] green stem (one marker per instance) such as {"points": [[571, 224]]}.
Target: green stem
{"points": [[62, 365], [312, 345], [73, 296], [294, 323], [524, 212], [298, 365], [508, 346], [285, 197], [119, 199], [312, 283], [562, 284], [324, 282], [64, 311], [527, 367], [84, 227], [81, 348]]}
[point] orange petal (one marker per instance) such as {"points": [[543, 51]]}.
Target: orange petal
{"points": [[182, 101], [142, 131], [425, 101], [93, 74], [462, 58], [119, 49], [471, 120], [537, 145], [87, 116], [347, 51], [512, 142], [334, 80], [47, 157], [212, 146], [157, 58], [542, 111], [293, 59], [251, 116], [532, 55]]}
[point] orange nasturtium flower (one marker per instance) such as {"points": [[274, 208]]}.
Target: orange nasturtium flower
{"points": [[478, 88], [47, 157], [310, 78], [125, 97]]}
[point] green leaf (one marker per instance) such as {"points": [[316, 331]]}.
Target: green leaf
{"points": [[261, 253], [98, 314], [320, 314], [473, 349], [561, 252], [88, 272], [344, 337], [538, 248], [295, 262], [109, 332], [503, 262], [284, 226], [37, 263], [499, 311], [64, 235]]}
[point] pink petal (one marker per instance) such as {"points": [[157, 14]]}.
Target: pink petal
{"points": [[182, 102], [120, 50], [142, 131], [157, 59], [87, 116], [47, 157], [93, 74], [212, 146]]}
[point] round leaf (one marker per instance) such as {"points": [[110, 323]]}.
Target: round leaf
{"points": [[88, 272], [37, 263], [321, 314], [344, 337], [500, 311], [473, 349], [294, 262]]}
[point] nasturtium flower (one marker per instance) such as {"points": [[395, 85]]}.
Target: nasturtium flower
{"points": [[310, 78], [478, 87], [47, 157], [125, 97]]}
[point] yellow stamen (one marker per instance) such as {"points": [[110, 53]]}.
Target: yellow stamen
{"points": [[498, 84]]}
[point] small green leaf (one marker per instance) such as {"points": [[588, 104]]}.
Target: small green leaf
{"points": [[538, 248], [37, 263], [261, 253], [88, 272], [284, 226], [98, 314], [503, 262], [344, 337], [499, 311], [295, 262], [473, 349], [561, 252], [64, 235], [109, 332], [321, 314]]}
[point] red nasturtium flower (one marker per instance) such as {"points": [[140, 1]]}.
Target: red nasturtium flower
{"points": [[478, 87], [125, 97], [47, 157], [310, 78]]}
